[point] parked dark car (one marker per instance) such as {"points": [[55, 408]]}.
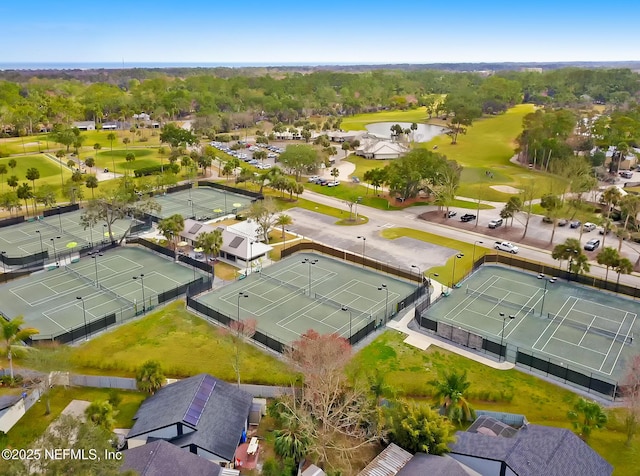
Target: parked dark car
{"points": [[592, 244], [496, 223], [562, 222], [575, 224], [467, 217]]}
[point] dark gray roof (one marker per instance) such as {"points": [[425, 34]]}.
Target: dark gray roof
{"points": [[422, 464], [161, 458], [220, 426], [7, 401], [535, 450]]}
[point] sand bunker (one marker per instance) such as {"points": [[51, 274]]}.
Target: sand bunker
{"points": [[506, 189]]}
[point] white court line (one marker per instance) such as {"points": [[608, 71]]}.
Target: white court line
{"points": [[613, 341], [633, 322], [615, 321], [551, 322], [520, 321], [576, 345], [586, 332], [469, 299], [560, 324]]}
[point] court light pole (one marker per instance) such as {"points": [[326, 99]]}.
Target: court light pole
{"points": [[364, 244], [241, 294], [84, 315], [544, 295], [419, 271], [504, 319], [309, 262], [59, 219], [41, 245], [432, 275], [105, 232], [386, 301], [144, 304], [94, 257], [453, 275], [191, 203], [473, 257], [346, 309], [572, 252], [55, 253]]}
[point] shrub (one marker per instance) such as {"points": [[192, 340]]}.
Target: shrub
{"points": [[156, 169]]}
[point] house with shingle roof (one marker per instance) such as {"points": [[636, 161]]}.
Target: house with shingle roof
{"points": [[161, 458], [201, 414], [532, 450]]}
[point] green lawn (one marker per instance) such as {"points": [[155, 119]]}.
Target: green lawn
{"points": [[359, 121], [35, 422], [463, 265], [49, 172], [144, 158], [408, 370], [185, 345]]}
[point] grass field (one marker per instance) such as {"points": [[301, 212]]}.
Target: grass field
{"points": [[359, 121], [34, 422], [49, 172], [183, 343], [144, 158], [463, 266], [408, 369]]}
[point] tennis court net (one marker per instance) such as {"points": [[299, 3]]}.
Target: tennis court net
{"points": [[495, 300], [331, 302], [625, 339], [81, 277], [282, 283], [114, 295]]}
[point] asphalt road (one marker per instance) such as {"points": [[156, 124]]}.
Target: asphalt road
{"points": [[321, 228]]}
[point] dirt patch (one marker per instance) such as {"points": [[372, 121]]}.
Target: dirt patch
{"points": [[506, 189], [503, 233]]}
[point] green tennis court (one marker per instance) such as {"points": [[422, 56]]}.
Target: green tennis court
{"points": [[292, 296], [576, 325], [57, 234], [49, 301], [204, 203]]}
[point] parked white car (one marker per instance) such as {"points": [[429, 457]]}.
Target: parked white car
{"points": [[506, 246]]}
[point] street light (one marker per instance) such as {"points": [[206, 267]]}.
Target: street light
{"points": [[144, 307], [310, 262], [453, 275], [504, 319], [250, 257], [346, 309], [364, 243], [473, 257], [386, 301], [544, 295], [94, 256], [91, 234], [241, 294], [191, 202], [55, 253], [105, 232], [84, 315], [419, 272], [59, 218], [41, 246]]}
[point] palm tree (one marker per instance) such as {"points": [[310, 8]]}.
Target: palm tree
{"points": [[171, 228], [12, 182], [111, 137], [608, 257], [92, 183], [587, 416], [282, 221], [630, 205], [126, 141], [150, 377], [12, 164], [210, 242], [3, 171], [12, 335], [101, 413], [97, 147], [33, 174], [292, 441], [449, 393], [623, 266]]}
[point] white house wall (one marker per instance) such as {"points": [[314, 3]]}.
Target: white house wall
{"points": [[10, 416]]}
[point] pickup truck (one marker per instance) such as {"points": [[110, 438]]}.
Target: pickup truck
{"points": [[506, 246]]}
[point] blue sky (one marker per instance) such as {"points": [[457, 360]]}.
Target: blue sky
{"points": [[326, 31]]}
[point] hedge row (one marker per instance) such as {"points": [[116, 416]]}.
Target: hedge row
{"points": [[156, 169]]}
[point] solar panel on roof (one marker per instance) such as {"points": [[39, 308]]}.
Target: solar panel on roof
{"points": [[236, 242], [195, 228], [200, 399]]}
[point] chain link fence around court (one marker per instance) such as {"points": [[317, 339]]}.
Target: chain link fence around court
{"points": [[273, 343], [535, 362]]}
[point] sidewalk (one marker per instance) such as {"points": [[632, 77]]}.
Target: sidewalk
{"points": [[422, 342]]}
